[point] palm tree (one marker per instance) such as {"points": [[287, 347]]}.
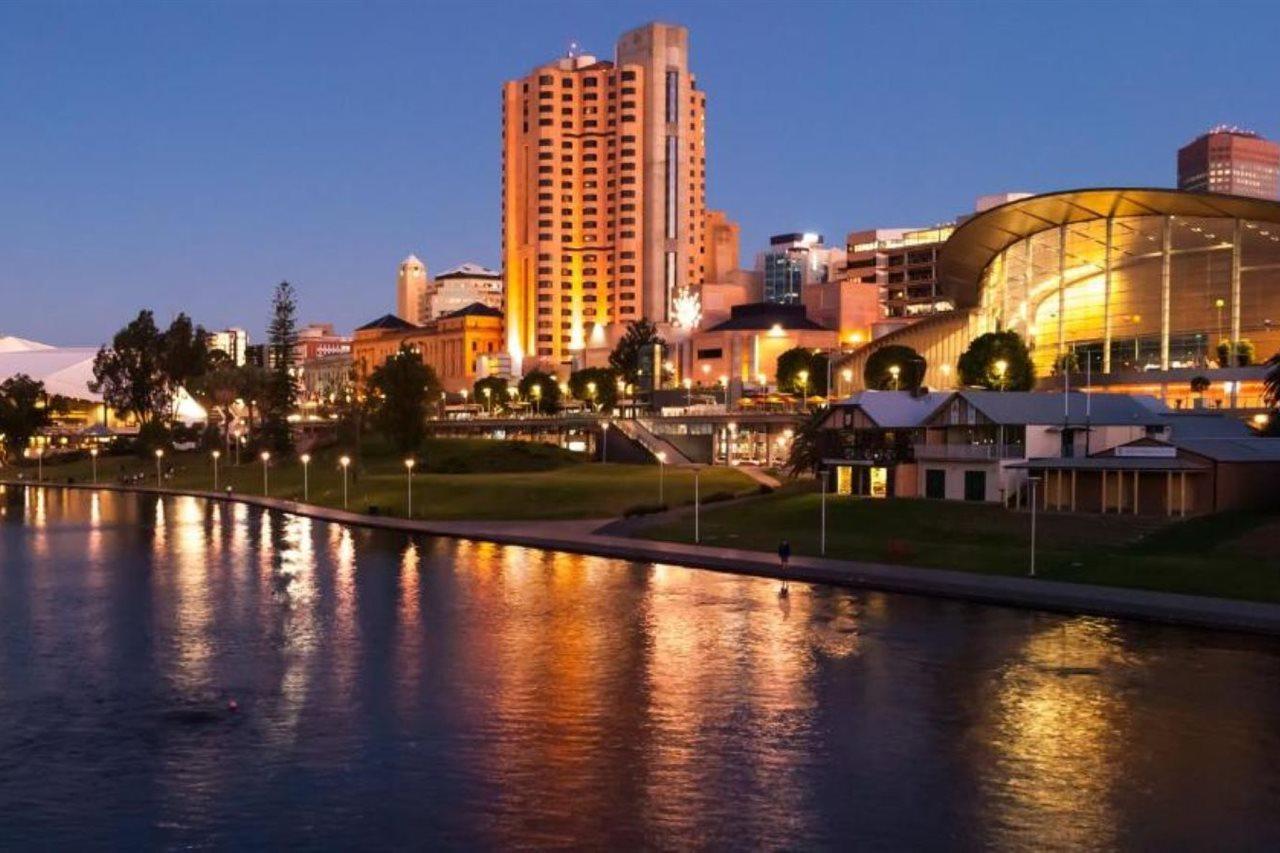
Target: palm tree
{"points": [[808, 444], [1272, 382]]}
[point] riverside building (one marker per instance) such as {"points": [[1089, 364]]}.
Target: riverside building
{"points": [[604, 189]]}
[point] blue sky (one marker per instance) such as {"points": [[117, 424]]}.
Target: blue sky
{"points": [[186, 156]]}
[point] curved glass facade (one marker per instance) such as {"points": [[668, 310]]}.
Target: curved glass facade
{"points": [[1138, 293]]}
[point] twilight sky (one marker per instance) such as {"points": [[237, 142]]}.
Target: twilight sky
{"points": [[187, 156]]}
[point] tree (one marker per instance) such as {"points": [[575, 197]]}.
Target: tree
{"points": [[282, 387], [218, 389], [1068, 362], [980, 365], [808, 444], [595, 385], [878, 371], [803, 371], [1271, 383], [402, 388], [184, 354], [1244, 353], [1199, 384], [129, 374], [25, 409], [547, 397], [491, 394], [627, 357]]}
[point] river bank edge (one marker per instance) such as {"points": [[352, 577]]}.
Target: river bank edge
{"points": [[579, 537]]}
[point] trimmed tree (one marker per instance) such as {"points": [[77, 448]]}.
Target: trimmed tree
{"points": [[546, 398], [1244, 353], [979, 366], [491, 393], [879, 369], [402, 388], [282, 386], [626, 358], [803, 371], [25, 409], [595, 385]]}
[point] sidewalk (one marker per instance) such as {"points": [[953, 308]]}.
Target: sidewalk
{"points": [[579, 537]]}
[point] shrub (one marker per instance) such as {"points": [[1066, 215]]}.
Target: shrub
{"points": [[643, 509]]}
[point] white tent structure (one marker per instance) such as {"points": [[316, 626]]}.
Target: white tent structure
{"points": [[67, 372]]}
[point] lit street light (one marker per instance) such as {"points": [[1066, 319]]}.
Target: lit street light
{"points": [[1002, 369], [604, 441], [159, 456], [895, 372], [697, 523], [688, 391], [488, 399], [345, 462], [847, 376], [39, 464], [537, 396], [662, 469], [216, 455], [265, 457], [93, 455], [1033, 481], [591, 392], [306, 463], [408, 474], [803, 376]]}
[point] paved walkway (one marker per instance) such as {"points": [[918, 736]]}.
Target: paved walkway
{"points": [[579, 537]]}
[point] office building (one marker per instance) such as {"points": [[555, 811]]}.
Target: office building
{"points": [[903, 263], [233, 342], [411, 291], [453, 345], [793, 261], [317, 340], [1230, 161], [461, 286], [604, 185]]}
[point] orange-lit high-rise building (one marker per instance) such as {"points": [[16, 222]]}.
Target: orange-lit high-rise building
{"points": [[604, 194]]}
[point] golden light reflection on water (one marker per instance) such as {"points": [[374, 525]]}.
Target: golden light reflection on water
{"points": [[1058, 733]]}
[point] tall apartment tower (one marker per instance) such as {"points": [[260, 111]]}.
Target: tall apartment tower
{"points": [[411, 291], [1232, 161], [604, 193]]}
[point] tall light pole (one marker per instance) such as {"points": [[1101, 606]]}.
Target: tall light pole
{"points": [[662, 472], [159, 456], [345, 462], [93, 455], [537, 396], [895, 371], [697, 507], [488, 399], [1002, 370], [822, 542], [604, 441], [265, 457], [1033, 481], [39, 464], [591, 393], [803, 376], [847, 376], [216, 455], [1218, 305], [306, 463], [688, 391], [408, 482]]}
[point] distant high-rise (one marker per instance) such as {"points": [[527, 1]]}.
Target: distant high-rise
{"points": [[791, 262], [411, 291], [465, 284], [604, 188], [1231, 161]]}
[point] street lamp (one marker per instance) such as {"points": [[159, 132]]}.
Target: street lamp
{"points": [[537, 396], [895, 371], [40, 464], [697, 506], [591, 392], [265, 457], [1002, 368], [1033, 481], [803, 376], [688, 391], [306, 462], [408, 477], [216, 455], [345, 462], [488, 399], [159, 456], [847, 376], [1219, 304], [662, 469], [822, 542], [604, 442], [946, 373], [93, 455]]}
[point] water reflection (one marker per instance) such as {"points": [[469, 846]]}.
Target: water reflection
{"points": [[503, 696]]}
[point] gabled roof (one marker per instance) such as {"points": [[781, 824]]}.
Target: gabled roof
{"points": [[389, 322], [896, 409], [1195, 424], [469, 270], [1012, 408], [475, 309], [1233, 449], [8, 343]]}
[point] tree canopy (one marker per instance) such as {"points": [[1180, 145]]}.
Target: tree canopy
{"points": [[25, 409], [140, 372], [980, 365], [497, 399], [879, 369], [402, 387], [803, 371], [627, 357], [597, 385], [547, 397], [282, 385]]}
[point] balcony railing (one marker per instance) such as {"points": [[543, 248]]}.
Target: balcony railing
{"points": [[976, 452]]}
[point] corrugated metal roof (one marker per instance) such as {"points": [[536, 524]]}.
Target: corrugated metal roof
{"points": [[1013, 408], [1205, 425], [897, 409], [1234, 449]]}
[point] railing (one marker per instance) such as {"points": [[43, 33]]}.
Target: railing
{"points": [[639, 432], [975, 452]]}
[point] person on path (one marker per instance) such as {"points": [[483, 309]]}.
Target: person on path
{"points": [[784, 558]]}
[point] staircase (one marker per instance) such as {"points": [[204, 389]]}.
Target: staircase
{"points": [[639, 432]]}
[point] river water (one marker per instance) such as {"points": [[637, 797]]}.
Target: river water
{"points": [[397, 691]]}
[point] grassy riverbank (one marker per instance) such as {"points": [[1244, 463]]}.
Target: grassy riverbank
{"points": [[1229, 555], [514, 481]]}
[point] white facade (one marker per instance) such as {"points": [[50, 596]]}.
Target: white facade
{"points": [[411, 291], [234, 342], [456, 288]]}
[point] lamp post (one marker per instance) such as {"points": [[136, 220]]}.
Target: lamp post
{"points": [[604, 441], [345, 462], [216, 455], [488, 399], [822, 542], [93, 455], [265, 457], [1033, 481], [1002, 369], [1218, 305], [408, 484], [159, 456], [847, 376], [591, 393], [306, 463], [537, 396], [946, 373], [803, 376], [662, 470], [688, 391], [895, 371], [39, 464], [697, 508]]}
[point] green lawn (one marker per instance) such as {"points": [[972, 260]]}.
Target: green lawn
{"points": [[559, 486], [1217, 556]]}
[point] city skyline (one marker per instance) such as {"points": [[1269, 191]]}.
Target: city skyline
{"points": [[210, 155]]}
